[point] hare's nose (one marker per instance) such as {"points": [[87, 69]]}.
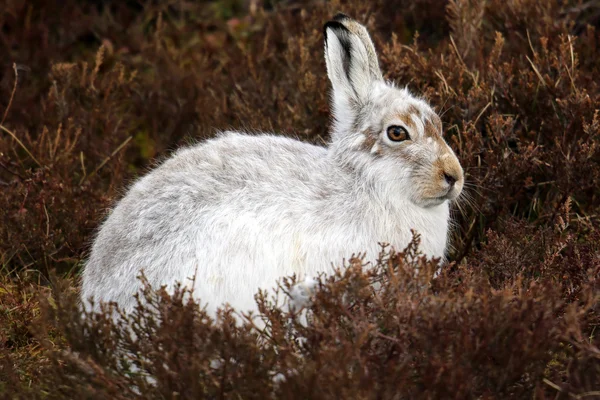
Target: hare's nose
{"points": [[450, 179]]}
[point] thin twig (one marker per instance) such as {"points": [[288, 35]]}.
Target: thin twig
{"points": [[552, 385], [585, 394], [82, 166], [457, 52], [481, 113], [572, 71], [47, 221], [107, 159], [447, 88], [530, 44], [462, 62], [12, 95], [21, 144], [536, 71], [572, 395]]}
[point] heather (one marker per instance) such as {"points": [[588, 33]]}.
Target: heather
{"points": [[95, 93]]}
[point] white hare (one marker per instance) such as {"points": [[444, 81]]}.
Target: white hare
{"points": [[239, 212]]}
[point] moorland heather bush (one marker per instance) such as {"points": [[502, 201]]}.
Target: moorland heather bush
{"points": [[94, 93]]}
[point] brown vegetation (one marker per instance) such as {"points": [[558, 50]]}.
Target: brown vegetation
{"points": [[94, 92]]}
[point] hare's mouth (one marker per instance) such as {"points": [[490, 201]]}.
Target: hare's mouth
{"points": [[446, 196], [434, 201], [450, 195]]}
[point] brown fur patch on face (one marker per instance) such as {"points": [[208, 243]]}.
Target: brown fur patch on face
{"points": [[406, 117], [370, 140], [433, 129], [407, 120], [413, 110]]}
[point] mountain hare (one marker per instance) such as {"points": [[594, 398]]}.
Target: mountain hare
{"points": [[238, 212]]}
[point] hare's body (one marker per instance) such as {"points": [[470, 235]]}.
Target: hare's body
{"points": [[177, 221], [239, 212]]}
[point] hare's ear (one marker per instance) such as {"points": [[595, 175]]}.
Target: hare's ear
{"points": [[352, 64]]}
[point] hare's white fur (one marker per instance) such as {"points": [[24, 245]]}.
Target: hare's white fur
{"points": [[238, 212]]}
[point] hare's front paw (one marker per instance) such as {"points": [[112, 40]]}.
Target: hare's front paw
{"points": [[301, 293]]}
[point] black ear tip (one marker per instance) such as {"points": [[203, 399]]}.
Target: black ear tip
{"points": [[334, 26], [340, 17]]}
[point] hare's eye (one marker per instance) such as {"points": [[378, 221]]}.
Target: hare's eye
{"points": [[397, 133]]}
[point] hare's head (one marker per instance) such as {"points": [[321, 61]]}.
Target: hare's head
{"points": [[383, 130]]}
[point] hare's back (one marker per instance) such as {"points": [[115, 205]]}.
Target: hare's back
{"points": [[232, 173], [234, 161], [213, 182]]}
